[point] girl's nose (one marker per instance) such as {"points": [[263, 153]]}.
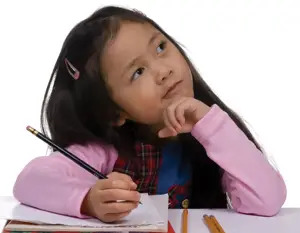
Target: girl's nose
{"points": [[163, 74]]}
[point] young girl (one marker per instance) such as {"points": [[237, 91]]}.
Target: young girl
{"points": [[127, 100]]}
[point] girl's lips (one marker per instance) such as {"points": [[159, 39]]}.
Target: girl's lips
{"points": [[172, 89]]}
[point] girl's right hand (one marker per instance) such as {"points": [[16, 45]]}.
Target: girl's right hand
{"points": [[103, 199]]}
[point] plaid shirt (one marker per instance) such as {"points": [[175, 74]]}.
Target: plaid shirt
{"points": [[144, 168]]}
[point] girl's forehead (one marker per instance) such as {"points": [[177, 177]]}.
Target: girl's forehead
{"points": [[129, 36], [131, 41]]}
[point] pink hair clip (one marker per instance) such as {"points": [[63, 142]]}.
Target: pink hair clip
{"points": [[71, 69]]}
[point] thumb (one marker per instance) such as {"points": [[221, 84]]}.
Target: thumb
{"points": [[166, 132]]}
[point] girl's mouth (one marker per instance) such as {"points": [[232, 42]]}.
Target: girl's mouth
{"points": [[172, 89]]}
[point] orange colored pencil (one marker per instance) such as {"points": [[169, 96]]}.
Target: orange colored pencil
{"points": [[210, 224], [217, 224], [185, 221]]}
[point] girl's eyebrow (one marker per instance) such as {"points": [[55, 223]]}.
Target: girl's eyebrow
{"points": [[133, 61]]}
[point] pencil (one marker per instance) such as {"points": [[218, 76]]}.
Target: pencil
{"points": [[68, 154], [217, 224], [185, 205], [185, 221], [210, 224]]}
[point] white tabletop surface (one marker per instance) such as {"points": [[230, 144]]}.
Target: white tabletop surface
{"points": [[286, 221]]}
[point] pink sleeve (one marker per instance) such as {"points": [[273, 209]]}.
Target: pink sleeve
{"points": [[55, 183], [252, 184]]}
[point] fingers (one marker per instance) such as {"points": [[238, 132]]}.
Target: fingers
{"points": [[119, 207], [115, 184], [168, 124], [114, 217], [165, 132], [113, 211], [172, 120], [179, 114], [113, 190], [113, 198], [122, 177], [110, 195], [119, 176]]}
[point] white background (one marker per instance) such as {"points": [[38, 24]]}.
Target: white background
{"points": [[247, 51]]}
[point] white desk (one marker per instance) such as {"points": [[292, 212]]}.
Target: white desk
{"points": [[287, 221], [2, 223]]}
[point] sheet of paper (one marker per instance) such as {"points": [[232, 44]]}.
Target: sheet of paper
{"points": [[145, 214]]}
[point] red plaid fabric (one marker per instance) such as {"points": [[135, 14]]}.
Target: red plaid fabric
{"points": [[175, 191], [144, 168]]}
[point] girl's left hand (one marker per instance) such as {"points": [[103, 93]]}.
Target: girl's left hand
{"points": [[181, 115]]}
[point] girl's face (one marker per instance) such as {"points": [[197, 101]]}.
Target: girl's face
{"points": [[140, 65]]}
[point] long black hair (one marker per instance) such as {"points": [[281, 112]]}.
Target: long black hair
{"points": [[81, 111]]}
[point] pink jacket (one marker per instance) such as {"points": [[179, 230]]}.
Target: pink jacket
{"points": [[56, 184]]}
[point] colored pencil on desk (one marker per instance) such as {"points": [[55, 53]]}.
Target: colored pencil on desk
{"points": [[185, 221], [217, 224], [210, 224], [184, 216], [68, 154]]}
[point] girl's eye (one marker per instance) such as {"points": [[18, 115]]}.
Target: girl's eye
{"points": [[137, 73], [161, 47]]}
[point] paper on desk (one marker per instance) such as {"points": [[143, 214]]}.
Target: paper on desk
{"points": [[145, 214]]}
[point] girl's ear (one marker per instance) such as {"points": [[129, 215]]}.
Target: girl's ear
{"points": [[120, 122], [122, 119]]}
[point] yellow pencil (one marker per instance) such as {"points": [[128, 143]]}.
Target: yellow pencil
{"points": [[185, 221], [210, 224], [217, 224], [185, 205]]}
